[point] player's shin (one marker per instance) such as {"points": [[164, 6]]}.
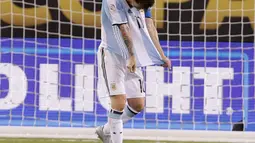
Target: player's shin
{"points": [[116, 126]]}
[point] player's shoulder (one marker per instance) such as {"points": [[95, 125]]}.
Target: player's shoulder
{"points": [[145, 10], [113, 1], [113, 4], [148, 9], [148, 13]]}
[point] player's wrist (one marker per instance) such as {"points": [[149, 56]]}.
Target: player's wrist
{"points": [[164, 57], [132, 56]]}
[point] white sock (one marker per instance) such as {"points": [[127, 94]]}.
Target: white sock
{"points": [[128, 114], [116, 126]]}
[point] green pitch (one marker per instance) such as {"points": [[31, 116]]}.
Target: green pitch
{"points": [[5, 140]]}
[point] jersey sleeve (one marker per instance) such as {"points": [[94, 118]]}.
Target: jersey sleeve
{"points": [[115, 12], [148, 13]]}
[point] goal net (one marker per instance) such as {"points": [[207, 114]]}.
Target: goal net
{"points": [[48, 71]]}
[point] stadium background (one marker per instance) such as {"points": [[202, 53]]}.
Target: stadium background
{"points": [[30, 43]]}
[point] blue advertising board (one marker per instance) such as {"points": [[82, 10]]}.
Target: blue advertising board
{"points": [[207, 106]]}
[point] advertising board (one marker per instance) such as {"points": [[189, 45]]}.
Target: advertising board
{"points": [[53, 82]]}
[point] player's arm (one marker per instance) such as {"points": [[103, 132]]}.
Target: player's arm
{"points": [[118, 18], [126, 35], [154, 36]]}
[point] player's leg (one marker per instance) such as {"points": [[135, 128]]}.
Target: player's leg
{"points": [[115, 122], [135, 95], [112, 68], [112, 131], [133, 107]]}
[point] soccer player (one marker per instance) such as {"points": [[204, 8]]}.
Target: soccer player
{"points": [[129, 42]]}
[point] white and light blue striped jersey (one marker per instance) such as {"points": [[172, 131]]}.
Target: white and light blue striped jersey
{"points": [[115, 12]]}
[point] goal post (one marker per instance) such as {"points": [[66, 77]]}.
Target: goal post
{"points": [[49, 84]]}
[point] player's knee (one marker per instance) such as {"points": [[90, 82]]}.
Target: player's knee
{"points": [[118, 102], [136, 104], [119, 106], [138, 107]]}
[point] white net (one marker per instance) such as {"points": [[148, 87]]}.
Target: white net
{"points": [[48, 68]]}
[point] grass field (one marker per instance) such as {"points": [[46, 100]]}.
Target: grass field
{"points": [[5, 140]]}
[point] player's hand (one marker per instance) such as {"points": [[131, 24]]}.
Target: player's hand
{"points": [[167, 63], [131, 64]]}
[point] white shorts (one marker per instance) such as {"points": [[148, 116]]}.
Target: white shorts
{"points": [[115, 78]]}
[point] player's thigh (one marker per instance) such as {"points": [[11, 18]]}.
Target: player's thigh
{"points": [[111, 72], [135, 84]]}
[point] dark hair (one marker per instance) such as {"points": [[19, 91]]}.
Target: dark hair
{"points": [[146, 3]]}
